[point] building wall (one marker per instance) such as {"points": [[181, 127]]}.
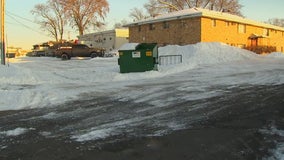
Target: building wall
{"points": [[109, 40], [240, 35], [207, 29], [179, 31]]}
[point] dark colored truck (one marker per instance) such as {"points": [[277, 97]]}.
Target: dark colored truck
{"points": [[78, 50]]}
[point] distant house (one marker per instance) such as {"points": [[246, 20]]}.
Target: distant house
{"points": [[201, 25], [109, 40]]}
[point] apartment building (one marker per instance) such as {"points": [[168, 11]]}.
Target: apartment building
{"points": [[201, 25]]}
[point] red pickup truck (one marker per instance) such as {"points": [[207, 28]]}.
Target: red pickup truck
{"points": [[78, 50]]}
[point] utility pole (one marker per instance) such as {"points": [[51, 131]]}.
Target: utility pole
{"points": [[2, 40]]}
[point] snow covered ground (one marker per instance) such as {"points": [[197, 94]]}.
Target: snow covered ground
{"points": [[31, 82], [39, 82]]}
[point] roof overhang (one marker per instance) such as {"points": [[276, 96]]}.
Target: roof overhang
{"points": [[198, 12], [183, 14], [255, 36]]}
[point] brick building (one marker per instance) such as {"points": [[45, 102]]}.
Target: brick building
{"points": [[201, 25]]}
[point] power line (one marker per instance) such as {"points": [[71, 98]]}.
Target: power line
{"points": [[23, 18], [24, 25], [8, 22]]}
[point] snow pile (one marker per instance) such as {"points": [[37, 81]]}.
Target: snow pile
{"points": [[203, 54], [276, 55]]}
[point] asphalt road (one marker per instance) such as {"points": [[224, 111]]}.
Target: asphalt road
{"points": [[237, 123]]}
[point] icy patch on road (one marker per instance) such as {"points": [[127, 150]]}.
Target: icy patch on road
{"points": [[278, 152], [94, 135], [15, 132], [120, 127], [2, 147], [51, 115], [45, 134]]}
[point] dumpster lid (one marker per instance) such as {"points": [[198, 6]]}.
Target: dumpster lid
{"points": [[129, 46]]}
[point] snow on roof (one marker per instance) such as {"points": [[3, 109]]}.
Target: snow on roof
{"points": [[199, 12], [104, 32]]}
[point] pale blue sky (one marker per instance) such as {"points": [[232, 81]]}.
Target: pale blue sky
{"points": [[24, 33]]}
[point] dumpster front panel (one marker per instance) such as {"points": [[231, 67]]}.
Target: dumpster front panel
{"points": [[139, 60]]}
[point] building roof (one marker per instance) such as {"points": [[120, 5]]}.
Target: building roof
{"points": [[120, 32], [198, 12]]}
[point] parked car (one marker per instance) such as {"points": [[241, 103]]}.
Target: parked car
{"points": [[111, 53], [38, 53], [78, 50], [10, 55]]}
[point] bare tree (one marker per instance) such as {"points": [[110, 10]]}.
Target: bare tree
{"points": [[277, 22], [120, 24], [232, 6], [153, 8], [85, 13], [51, 18], [137, 14]]}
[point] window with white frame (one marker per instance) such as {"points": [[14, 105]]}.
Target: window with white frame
{"points": [[242, 28], [152, 26], [166, 25], [266, 32]]}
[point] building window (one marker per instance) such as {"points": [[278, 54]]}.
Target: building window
{"points": [[266, 32], [227, 24], [166, 25], [152, 26], [183, 23], [214, 23], [242, 28], [272, 30]]}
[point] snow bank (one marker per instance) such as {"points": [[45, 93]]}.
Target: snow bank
{"points": [[276, 54], [203, 54]]}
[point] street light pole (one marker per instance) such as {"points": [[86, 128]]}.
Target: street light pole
{"points": [[2, 41]]}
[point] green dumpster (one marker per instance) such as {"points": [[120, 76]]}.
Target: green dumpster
{"points": [[138, 57]]}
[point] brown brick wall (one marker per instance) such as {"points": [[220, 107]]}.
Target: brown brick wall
{"points": [[205, 29], [180, 32]]}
